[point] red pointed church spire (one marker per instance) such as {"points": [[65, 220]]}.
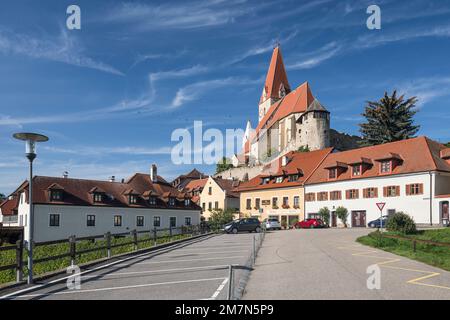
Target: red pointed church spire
{"points": [[277, 84]]}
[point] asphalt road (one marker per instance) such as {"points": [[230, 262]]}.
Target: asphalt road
{"points": [[197, 270], [329, 264]]}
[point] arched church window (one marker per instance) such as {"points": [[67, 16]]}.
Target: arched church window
{"points": [[282, 91]]}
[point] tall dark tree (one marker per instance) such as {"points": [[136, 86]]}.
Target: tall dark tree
{"points": [[389, 119], [223, 164], [2, 197]]}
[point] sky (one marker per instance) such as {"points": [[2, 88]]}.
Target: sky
{"points": [[110, 95]]}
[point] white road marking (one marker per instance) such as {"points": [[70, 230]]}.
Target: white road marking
{"points": [[155, 271], [182, 253], [182, 260], [219, 289], [118, 288]]}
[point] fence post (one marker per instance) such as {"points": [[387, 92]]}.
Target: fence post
{"points": [[154, 235], [19, 260], [108, 244], [414, 245], [254, 250], [230, 283], [135, 239], [72, 244], [170, 234]]}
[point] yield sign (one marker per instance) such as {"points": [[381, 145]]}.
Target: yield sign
{"points": [[381, 205]]}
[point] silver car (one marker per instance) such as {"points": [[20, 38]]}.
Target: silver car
{"points": [[272, 224]]}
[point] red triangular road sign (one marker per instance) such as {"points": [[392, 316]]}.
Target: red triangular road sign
{"points": [[381, 205]]}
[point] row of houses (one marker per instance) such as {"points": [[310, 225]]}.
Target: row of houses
{"points": [[412, 176]]}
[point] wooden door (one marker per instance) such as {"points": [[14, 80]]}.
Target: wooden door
{"points": [[445, 211], [359, 219], [333, 219]]}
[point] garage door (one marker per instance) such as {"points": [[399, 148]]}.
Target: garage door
{"points": [[359, 219]]}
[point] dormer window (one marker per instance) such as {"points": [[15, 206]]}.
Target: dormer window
{"points": [[265, 180], [386, 166], [187, 202], [56, 195], [152, 201], [279, 180], [332, 173], [171, 202], [356, 170], [98, 197], [132, 199], [293, 178]]}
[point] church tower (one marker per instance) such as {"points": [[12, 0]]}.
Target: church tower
{"points": [[276, 85]]}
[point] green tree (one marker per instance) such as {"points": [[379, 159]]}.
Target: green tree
{"points": [[223, 165], [401, 222], [389, 119], [303, 149], [342, 214], [2, 197], [219, 218], [447, 144], [324, 214]]}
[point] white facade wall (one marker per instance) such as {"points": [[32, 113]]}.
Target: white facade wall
{"points": [[417, 207], [73, 220]]}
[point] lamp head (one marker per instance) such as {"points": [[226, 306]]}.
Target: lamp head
{"points": [[30, 142]]}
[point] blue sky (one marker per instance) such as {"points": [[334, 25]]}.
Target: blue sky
{"points": [[110, 95]]}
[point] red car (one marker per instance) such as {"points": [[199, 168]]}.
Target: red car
{"points": [[309, 224]]}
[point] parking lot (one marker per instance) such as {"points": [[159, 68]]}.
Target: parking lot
{"points": [[193, 270]]}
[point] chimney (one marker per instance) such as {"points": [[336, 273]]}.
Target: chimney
{"points": [[154, 173], [65, 174], [112, 179]]}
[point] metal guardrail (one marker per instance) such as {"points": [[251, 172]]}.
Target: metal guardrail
{"points": [[154, 235], [238, 274], [413, 240]]}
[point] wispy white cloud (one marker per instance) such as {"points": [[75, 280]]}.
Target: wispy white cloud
{"points": [[101, 151], [180, 15], [140, 58], [426, 89], [316, 57], [64, 49]]}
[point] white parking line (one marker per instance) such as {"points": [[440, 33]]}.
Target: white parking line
{"points": [[183, 253], [179, 260], [219, 289], [155, 271], [117, 288]]}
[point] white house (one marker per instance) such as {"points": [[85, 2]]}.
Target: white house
{"points": [[412, 176], [66, 206]]}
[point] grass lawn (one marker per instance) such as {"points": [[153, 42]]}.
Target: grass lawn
{"points": [[9, 257], [433, 255]]}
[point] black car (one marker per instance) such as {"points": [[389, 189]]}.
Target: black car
{"points": [[246, 224]]}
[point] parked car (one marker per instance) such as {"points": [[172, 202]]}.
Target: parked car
{"points": [[240, 225], [377, 224], [309, 224], [272, 224]]}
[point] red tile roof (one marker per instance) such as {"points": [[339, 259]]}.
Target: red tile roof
{"points": [[276, 76], [195, 185], [9, 206], [301, 163], [417, 155]]}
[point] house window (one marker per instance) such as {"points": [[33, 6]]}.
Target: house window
{"points": [[332, 173], [216, 205], [210, 191], [209, 206], [257, 203], [275, 203], [370, 193], [152, 201], [156, 221], [392, 191], [173, 222], [356, 170], [335, 195], [265, 180], [54, 220], [386, 166], [414, 189], [171, 202], [352, 194], [322, 196], [132, 199], [187, 202], [98, 197], [90, 222], [293, 178], [117, 221], [310, 197], [279, 180], [55, 195], [285, 201], [296, 202], [249, 204], [187, 221], [139, 221]]}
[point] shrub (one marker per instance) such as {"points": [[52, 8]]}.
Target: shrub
{"points": [[401, 222], [219, 218], [325, 215], [342, 214]]}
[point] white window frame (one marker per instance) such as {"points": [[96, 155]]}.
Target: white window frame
{"points": [[114, 220]]}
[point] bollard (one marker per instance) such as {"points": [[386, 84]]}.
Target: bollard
{"points": [[254, 250], [230, 283], [108, 244]]}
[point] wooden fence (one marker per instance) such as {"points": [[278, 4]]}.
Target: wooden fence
{"points": [[154, 235], [413, 240]]}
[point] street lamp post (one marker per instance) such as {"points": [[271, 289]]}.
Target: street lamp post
{"points": [[30, 151]]}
